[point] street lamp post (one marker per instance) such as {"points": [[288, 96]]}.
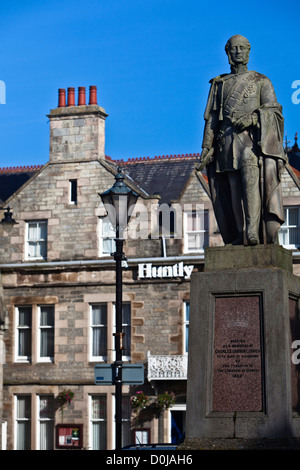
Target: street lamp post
{"points": [[119, 202]]}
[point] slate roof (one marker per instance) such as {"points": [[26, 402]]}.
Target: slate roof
{"points": [[13, 178], [165, 176]]}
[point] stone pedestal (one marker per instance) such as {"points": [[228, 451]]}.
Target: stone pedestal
{"points": [[244, 317]]}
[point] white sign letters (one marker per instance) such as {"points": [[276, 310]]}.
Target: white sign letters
{"points": [[148, 271]]}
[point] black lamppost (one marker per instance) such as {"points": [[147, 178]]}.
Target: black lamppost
{"points": [[119, 202]]}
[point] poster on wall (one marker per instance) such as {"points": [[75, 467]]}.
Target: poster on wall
{"points": [[69, 435]]}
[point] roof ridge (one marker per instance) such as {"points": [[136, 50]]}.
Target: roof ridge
{"points": [[158, 157], [19, 169]]}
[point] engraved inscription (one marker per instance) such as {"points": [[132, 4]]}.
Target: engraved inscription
{"points": [[237, 375], [239, 358]]}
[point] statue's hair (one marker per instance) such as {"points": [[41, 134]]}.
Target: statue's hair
{"points": [[239, 37]]}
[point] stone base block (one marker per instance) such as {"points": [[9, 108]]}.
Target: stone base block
{"points": [[242, 382], [240, 444]]}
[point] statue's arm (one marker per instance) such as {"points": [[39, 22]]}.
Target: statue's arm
{"points": [[267, 93], [210, 130]]}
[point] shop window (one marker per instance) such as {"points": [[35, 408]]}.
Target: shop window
{"points": [[23, 422], [46, 422], [98, 422], [107, 235], [289, 233], [36, 240], [196, 231]]}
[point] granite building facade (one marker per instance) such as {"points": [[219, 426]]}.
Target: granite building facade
{"points": [[58, 286]]}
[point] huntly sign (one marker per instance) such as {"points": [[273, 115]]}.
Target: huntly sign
{"points": [[148, 271]]}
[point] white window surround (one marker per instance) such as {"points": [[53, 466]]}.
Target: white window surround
{"points": [[28, 335], [48, 330], [126, 421], [126, 328], [106, 236], [73, 188], [289, 232], [45, 422], [196, 231], [35, 239], [100, 422], [110, 329], [176, 407], [23, 333], [22, 422], [98, 326]]}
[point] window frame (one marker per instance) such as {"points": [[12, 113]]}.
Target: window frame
{"points": [[23, 419], [44, 327], [125, 420], [93, 358], [102, 237], [37, 241], [289, 227], [204, 213], [91, 398], [125, 357], [73, 192], [45, 419], [18, 328]]}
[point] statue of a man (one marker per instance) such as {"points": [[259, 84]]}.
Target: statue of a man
{"points": [[243, 150]]}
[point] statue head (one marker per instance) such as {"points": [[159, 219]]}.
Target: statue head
{"points": [[237, 49]]}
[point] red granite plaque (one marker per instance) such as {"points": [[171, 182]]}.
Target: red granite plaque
{"points": [[237, 365]]}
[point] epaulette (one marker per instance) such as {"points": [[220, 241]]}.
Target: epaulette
{"points": [[218, 77]]}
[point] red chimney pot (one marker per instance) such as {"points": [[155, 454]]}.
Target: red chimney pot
{"points": [[61, 97], [81, 96], [71, 96], [93, 95]]}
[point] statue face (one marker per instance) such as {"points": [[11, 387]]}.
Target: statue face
{"points": [[238, 51]]}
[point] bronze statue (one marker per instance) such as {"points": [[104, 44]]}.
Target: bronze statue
{"points": [[243, 151]]}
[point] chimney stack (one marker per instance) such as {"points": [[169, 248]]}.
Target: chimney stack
{"points": [[77, 131], [71, 96], [81, 96], [93, 95], [61, 98]]}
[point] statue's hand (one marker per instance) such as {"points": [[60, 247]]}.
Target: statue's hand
{"points": [[203, 156], [246, 121]]}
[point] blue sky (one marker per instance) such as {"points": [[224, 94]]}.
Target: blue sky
{"points": [[151, 61]]}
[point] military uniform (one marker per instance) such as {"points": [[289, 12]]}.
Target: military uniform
{"points": [[234, 174]]}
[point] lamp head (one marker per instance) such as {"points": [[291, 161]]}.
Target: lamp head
{"points": [[119, 202]]}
